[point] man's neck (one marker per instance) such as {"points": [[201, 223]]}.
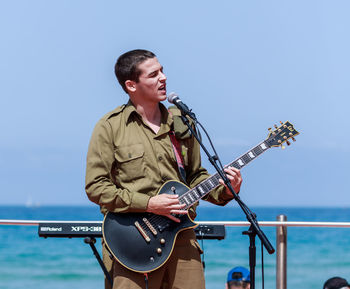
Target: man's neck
{"points": [[151, 114]]}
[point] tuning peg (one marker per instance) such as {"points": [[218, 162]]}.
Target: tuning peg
{"points": [[275, 126], [269, 129], [293, 138], [283, 124], [288, 143]]}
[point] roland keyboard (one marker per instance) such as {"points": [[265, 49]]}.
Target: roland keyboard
{"points": [[94, 229]]}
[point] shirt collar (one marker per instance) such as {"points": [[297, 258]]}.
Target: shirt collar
{"points": [[130, 109]]}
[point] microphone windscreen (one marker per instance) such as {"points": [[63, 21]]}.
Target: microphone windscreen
{"points": [[171, 97]]}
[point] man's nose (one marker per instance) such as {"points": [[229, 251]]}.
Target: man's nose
{"points": [[162, 76]]}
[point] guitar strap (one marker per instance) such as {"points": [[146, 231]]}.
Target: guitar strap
{"points": [[177, 151], [178, 156]]}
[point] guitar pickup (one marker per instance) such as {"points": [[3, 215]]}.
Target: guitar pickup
{"points": [[161, 228], [142, 232], [150, 227]]}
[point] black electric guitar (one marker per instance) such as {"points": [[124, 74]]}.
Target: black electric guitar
{"points": [[143, 242]]}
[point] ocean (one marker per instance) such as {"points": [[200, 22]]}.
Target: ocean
{"points": [[314, 254]]}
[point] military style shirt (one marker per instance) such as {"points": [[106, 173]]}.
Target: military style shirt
{"points": [[128, 162]]}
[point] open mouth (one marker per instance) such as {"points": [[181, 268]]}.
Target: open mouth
{"points": [[162, 87]]}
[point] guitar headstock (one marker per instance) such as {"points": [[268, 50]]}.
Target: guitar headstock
{"points": [[281, 135]]}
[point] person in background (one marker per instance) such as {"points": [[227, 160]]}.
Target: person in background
{"points": [[336, 283], [238, 278]]}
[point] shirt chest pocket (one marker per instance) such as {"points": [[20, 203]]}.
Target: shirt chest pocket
{"points": [[130, 162]]}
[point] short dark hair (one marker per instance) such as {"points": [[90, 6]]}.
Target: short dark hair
{"points": [[335, 283], [126, 67]]}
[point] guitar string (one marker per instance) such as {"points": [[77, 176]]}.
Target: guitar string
{"points": [[207, 185], [256, 151]]}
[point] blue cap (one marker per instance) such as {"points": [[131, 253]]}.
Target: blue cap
{"points": [[238, 274]]}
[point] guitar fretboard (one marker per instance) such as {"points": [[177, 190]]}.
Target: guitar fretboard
{"points": [[198, 192]]}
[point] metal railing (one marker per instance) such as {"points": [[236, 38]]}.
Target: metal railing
{"points": [[225, 223], [281, 236]]}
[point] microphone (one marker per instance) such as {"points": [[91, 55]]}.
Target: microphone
{"points": [[175, 99]]}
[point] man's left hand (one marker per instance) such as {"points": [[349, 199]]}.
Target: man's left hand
{"points": [[235, 178]]}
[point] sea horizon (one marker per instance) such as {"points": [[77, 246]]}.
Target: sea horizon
{"points": [[203, 204], [313, 253]]}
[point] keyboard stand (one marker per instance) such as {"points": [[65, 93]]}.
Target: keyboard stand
{"points": [[91, 241]]}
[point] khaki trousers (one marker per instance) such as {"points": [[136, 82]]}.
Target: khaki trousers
{"points": [[183, 270]]}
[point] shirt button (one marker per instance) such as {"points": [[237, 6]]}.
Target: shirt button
{"points": [[160, 158]]}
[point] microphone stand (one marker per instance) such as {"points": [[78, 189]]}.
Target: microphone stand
{"points": [[254, 228]]}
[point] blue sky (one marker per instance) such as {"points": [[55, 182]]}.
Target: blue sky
{"points": [[240, 65]]}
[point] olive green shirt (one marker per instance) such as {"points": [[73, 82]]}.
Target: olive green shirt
{"points": [[127, 162]]}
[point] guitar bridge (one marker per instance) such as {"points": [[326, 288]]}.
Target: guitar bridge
{"points": [[142, 232]]}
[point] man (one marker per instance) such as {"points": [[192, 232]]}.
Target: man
{"points": [[238, 278], [131, 155], [336, 283]]}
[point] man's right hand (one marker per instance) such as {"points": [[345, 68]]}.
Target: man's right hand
{"points": [[166, 205]]}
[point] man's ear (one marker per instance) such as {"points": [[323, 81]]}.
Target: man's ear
{"points": [[130, 85]]}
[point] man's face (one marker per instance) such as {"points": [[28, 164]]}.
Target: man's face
{"points": [[151, 86], [239, 287], [233, 286]]}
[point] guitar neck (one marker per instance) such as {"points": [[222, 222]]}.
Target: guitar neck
{"points": [[198, 192]]}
